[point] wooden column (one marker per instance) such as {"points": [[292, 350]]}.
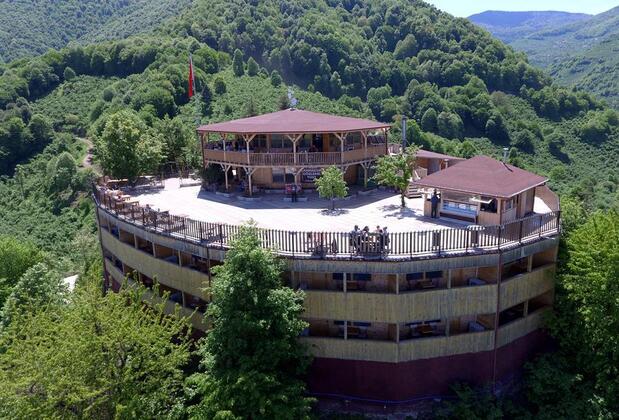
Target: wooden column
{"points": [[344, 282], [226, 168], [202, 148], [294, 138], [248, 138], [397, 286], [364, 134], [250, 172], [223, 142], [397, 333]]}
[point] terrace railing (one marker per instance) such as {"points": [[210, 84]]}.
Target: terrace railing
{"points": [[392, 246], [302, 158]]}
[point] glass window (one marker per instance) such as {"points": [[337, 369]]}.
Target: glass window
{"points": [[362, 277], [280, 176], [414, 276]]}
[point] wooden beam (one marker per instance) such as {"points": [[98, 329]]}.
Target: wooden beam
{"points": [[364, 134]]}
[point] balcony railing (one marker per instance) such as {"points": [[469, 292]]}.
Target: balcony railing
{"points": [[302, 158], [321, 245]]}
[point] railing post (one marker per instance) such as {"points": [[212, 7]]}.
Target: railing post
{"points": [[499, 237], [520, 233], [541, 216], [221, 237]]}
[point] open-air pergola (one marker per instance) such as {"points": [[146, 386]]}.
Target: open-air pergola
{"points": [[293, 140]]}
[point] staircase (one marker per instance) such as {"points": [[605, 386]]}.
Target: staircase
{"points": [[412, 191]]}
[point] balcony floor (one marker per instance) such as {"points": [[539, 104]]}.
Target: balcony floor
{"points": [[271, 211]]}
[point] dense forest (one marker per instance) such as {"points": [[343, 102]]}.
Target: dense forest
{"points": [[463, 91], [29, 28]]}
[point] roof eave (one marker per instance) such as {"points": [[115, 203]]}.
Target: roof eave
{"points": [[504, 196]]}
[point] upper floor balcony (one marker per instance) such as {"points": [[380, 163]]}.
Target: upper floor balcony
{"points": [[288, 158]]}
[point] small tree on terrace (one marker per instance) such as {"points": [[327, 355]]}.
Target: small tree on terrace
{"points": [[331, 184], [252, 358], [396, 170]]}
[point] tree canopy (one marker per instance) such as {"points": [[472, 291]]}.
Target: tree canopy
{"points": [[95, 356], [252, 360], [331, 184], [396, 170]]}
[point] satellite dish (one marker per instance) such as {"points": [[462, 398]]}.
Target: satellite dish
{"points": [[291, 99]]}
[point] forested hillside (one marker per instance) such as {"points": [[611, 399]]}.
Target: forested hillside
{"points": [[31, 27], [577, 50], [511, 26]]}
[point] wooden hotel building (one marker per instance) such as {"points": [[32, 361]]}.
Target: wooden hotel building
{"points": [[457, 298]]}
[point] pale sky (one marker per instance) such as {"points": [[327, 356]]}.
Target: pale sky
{"points": [[465, 8]]}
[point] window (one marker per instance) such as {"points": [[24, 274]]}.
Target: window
{"points": [[508, 204], [280, 176], [362, 277], [434, 274], [338, 276], [488, 204], [414, 276], [279, 141], [353, 141], [259, 142]]}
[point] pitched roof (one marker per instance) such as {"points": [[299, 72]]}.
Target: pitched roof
{"points": [[485, 176], [293, 121], [426, 154]]}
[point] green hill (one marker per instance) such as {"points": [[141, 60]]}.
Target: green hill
{"points": [[577, 51], [511, 26], [31, 27]]}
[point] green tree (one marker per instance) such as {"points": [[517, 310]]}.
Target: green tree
{"points": [[97, 356], [283, 102], [331, 184], [467, 149], [220, 85], [252, 360], [429, 121], [276, 79], [15, 259], [38, 287], [587, 325], [176, 136], [61, 172], [41, 128], [237, 63], [406, 47], [68, 74], [252, 67], [396, 170], [126, 148], [449, 125]]}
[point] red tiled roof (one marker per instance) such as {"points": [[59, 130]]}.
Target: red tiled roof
{"points": [[426, 154], [292, 121], [485, 176]]}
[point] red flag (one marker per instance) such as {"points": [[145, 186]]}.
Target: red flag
{"points": [[191, 79]]}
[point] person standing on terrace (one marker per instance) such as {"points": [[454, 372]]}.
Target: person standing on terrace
{"points": [[435, 199]]}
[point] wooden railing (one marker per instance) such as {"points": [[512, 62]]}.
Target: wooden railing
{"points": [[302, 158], [393, 246]]}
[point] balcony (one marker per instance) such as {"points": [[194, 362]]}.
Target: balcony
{"points": [[275, 158]]}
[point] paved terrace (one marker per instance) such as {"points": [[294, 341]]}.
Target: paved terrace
{"points": [[272, 212]]}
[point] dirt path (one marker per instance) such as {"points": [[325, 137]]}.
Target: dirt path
{"points": [[87, 161]]}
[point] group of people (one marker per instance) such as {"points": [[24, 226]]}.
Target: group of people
{"points": [[362, 240]]}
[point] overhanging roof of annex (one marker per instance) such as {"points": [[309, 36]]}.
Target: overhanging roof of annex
{"points": [[293, 121], [483, 175]]}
